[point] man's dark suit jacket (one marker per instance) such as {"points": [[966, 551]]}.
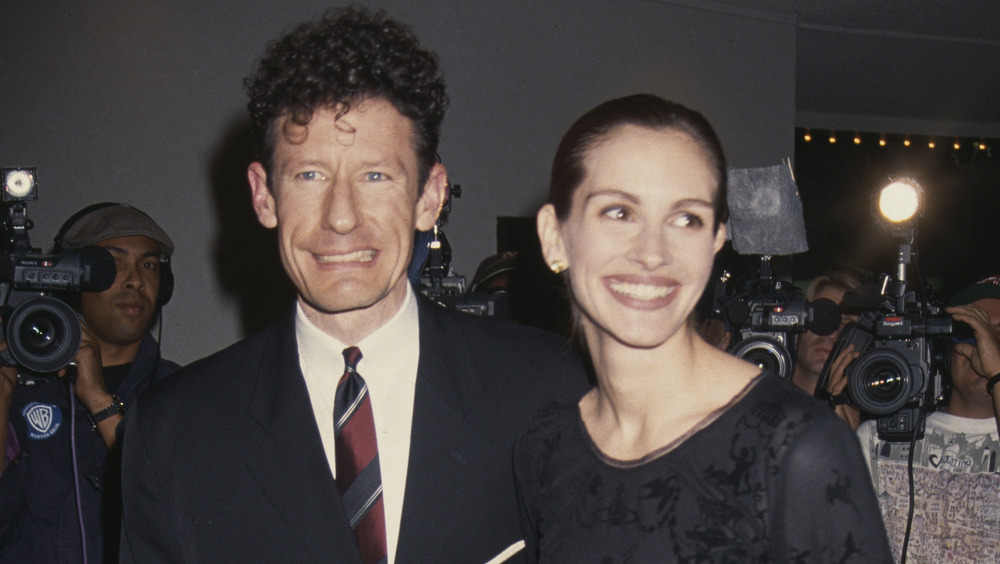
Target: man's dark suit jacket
{"points": [[224, 462]]}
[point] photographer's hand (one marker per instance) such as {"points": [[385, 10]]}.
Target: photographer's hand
{"points": [[984, 356], [90, 388], [838, 382]]}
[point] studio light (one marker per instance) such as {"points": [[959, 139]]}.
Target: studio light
{"points": [[899, 203], [19, 184]]}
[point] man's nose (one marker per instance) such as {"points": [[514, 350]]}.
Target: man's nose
{"points": [[341, 208], [131, 277]]}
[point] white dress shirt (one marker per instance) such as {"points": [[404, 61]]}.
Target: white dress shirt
{"points": [[389, 367]]}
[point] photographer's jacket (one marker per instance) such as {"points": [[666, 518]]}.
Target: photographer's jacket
{"points": [[38, 515]]}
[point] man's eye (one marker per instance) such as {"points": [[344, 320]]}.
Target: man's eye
{"points": [[309, 175], [376, 176]]}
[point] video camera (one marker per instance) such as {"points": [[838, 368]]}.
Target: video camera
{"points": [[766, 313], [42, 332], [904, 346], [903, 337], [440, 282]]}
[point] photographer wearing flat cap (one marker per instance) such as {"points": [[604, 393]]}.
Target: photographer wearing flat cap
{"points": [[60, 488]]}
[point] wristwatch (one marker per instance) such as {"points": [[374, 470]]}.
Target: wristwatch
{"points": [[115, 408], [992, 382]]}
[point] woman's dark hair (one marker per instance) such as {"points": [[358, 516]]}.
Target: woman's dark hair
{"points": [[643, 110], [343, 59]]}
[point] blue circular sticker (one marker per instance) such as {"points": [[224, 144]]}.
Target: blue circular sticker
{"points": [[43, 419]]}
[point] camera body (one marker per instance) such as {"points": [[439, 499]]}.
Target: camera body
{"points": [[903, 345], [441, 284], [766, 313], [765, 336], [42, 332]]}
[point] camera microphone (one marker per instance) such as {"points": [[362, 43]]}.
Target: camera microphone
{"points": [[825, 318]]}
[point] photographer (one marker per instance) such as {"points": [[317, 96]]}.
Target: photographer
{"points": [[956, 483], [812, 350], [41, 512]]}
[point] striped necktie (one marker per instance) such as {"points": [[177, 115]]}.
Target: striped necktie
{"points": [[358, 477]]}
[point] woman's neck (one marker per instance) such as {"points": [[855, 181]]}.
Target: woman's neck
{"points": [[646, 398]]}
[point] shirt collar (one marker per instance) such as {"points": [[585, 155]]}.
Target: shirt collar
{"points": [[377, 349]]}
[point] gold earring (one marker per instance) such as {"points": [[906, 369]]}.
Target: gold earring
{"points": [[557, 266]]}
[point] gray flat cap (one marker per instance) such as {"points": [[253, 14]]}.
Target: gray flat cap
{"points": [[115, 220]]}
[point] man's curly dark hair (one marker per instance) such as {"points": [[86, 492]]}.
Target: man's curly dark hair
{"points": [[343, 59]]}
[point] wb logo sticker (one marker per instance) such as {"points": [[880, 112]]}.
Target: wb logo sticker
{"points": [[43, 420]]}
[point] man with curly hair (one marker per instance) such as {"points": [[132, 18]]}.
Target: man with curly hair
{"points": [[239, 458]]}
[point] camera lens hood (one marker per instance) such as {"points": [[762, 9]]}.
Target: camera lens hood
{"points": [[43, 334], [880, 382], [767, 353]]}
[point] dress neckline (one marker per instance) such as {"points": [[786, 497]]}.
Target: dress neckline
{"points": [[672, 445]]}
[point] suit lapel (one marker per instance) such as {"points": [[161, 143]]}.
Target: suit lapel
{"points": [[443, 439], [446, 368], [289, 464]]}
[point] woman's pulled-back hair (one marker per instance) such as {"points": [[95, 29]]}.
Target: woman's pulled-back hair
{"points": [[643, 110]]}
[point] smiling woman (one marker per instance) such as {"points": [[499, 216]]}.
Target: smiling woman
{"points": [[681, 451]]}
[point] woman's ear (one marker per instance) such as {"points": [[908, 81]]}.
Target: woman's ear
{"points": [[720, 237], [551, 237]]}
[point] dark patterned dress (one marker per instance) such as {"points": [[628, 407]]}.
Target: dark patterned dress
{"points": [[772, 477]]}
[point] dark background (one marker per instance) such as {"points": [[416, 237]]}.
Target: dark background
{"points": [[141, 101], [958, 235]]}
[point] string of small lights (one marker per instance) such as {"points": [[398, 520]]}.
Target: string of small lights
{"points": [[883, 140]]}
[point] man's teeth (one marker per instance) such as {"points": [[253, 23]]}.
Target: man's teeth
{"points": [[642, 291], [357, 256]]}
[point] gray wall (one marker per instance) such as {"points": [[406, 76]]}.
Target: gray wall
{"points": [[142, 102]]}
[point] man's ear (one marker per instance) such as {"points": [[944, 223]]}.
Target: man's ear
{"points": [[551, 238], [261, 196], [431, 201]]}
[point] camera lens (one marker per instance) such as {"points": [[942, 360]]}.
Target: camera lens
{"points": [[43, 334], [880, 382], [767, 353], [39, 332]]}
